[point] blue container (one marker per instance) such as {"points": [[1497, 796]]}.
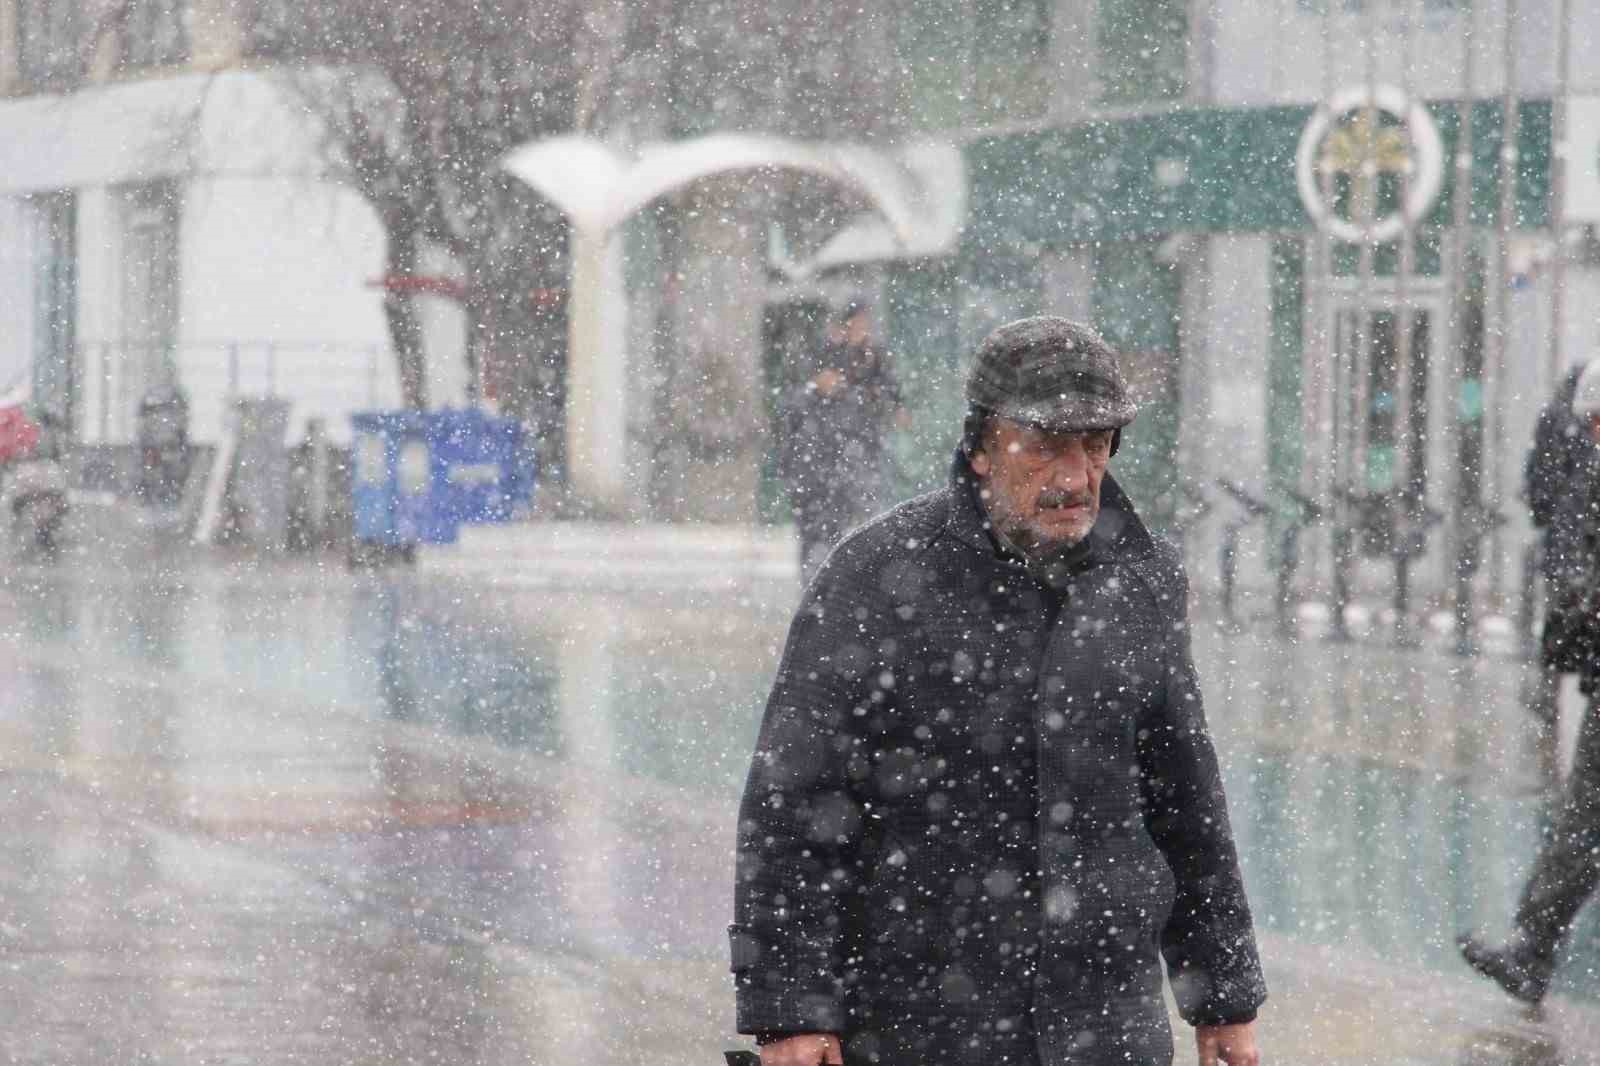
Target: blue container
{"points": [[391, 482], [482, 468], [418, 475]]}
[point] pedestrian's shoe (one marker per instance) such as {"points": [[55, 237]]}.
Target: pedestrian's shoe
{"points": [[1521, 978]]}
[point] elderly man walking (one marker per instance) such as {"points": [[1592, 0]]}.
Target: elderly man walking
{"points": [[984, 801]]}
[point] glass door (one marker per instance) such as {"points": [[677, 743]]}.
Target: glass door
{"points": [[1388, 413], [1384, 422]]}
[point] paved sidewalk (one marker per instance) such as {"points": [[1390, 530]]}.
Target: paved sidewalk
{"points": [[610, 556], [292, 815], [174, 943]]}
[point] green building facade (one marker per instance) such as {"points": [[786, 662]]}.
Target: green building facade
{"points": [[1137, 224]]}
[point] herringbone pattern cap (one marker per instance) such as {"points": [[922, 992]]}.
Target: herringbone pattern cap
{"points": [[1052, 373]]}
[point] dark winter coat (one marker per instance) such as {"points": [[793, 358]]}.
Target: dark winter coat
{"points": [[1561, 449], [1561, 484], [984, 803], [1570, 641], [833, 444]]}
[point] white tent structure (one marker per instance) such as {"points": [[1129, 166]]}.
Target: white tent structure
{"points": [[918, 197]]}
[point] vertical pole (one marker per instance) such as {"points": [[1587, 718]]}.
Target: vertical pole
{"points": [[106, 395], [596, 371], [1357, 403], [1494, 390], [970, 116], [1315, 357], [372, 377], [1202, 52], [233, 371], [1561, 158], [1195, 371], [1462, 547], [317, 482], [1407, 489], [473, 339], [1322, 352]]}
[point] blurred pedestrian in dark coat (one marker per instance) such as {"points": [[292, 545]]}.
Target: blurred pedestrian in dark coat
{"points": [[984, 803], [1567, 867], [1559, 469], [834, 456]]}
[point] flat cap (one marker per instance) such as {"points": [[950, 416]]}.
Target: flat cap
{"points": [[1051, 373]]}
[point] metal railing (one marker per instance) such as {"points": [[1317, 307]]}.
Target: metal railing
{"points": [[322, 378]]}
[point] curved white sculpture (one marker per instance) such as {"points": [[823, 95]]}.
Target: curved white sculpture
{"points": [[918, 197], [598, 187]]}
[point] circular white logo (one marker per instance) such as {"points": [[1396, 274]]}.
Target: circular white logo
{"points": [[1348, 148]]}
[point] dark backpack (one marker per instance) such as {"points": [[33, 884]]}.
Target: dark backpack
{"points": [[1550, 462]]}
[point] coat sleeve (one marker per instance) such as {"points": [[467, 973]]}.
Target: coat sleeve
{"points": [[799, 826], [1209, 943]]}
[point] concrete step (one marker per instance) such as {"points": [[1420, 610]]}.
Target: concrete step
{"points": [[616, 555]]}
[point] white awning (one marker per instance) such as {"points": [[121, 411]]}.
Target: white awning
{"points": [[918, 193], [236, 122]]}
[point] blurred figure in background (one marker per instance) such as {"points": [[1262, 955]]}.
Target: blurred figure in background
{"points": [[834, 455], [1567, 868], [1555, 467], [33, 479], [163, 436]]}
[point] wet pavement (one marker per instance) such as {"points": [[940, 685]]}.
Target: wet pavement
{"points": [[281, 813]]}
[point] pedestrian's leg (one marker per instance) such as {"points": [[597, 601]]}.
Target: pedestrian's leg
{"points": [[1568, 868], [1539, 689], [1541, 694], [1564, 875]]}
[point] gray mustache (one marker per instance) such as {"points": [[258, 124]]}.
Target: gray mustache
{"points": [[1050, 499]]}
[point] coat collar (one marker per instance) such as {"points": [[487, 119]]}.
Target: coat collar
{"points": [[1118, 533]]}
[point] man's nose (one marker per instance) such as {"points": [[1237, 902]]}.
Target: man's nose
{"points": [[1070, 471]]}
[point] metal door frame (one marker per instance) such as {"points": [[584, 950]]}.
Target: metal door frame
{"points": [[1429, 296]]}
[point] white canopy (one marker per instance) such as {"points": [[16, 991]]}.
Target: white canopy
{"points": [[235, 122], [918, 193]]}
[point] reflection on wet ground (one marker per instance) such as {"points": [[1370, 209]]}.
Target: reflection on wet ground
{"points": [[290, 814]]}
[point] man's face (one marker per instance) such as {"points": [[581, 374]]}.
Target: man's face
{"points": [[858, 328], [1041, 487]]}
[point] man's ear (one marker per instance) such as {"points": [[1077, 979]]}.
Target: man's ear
{"points": [[979, 461]]}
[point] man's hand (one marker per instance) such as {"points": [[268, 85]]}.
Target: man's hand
{"points": [[1231, 1044], [803, 1049]]}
